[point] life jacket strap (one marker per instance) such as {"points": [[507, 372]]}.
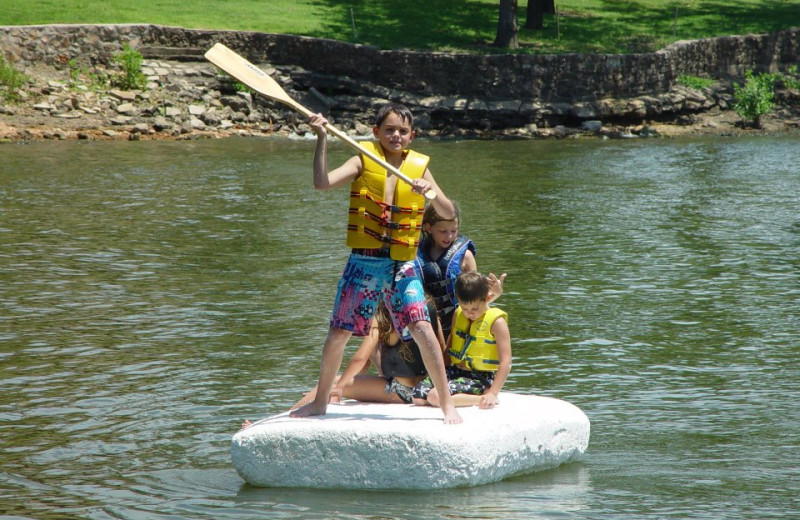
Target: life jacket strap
{"points": [[386, 239], [383, 220], [363, 194]]}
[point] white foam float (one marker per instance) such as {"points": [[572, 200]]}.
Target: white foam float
{"points": [[391, 446]]}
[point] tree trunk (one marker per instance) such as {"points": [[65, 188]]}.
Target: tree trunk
{"points": [[548, 6], [534, 16], [507, 25]]}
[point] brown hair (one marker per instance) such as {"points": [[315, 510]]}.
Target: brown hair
{"points": [[385, 329], [472, 286], [394, 108], [384, 323], [432, 217]]}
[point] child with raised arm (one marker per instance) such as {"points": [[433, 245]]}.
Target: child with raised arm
{"points": [[383, 232], [443, 254], [479, 348]]}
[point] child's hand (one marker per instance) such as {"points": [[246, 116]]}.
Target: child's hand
{"points": [[317, 123], [336, 395], [488, 400], [421, 186], [496, 284]]}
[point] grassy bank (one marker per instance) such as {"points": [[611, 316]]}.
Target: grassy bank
{"points": [[451, 25]]}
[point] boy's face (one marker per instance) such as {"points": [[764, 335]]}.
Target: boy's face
{"points": [[474, 310], [394, 133]]}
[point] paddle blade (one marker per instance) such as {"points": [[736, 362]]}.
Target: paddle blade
{"points": [[250, 75]]}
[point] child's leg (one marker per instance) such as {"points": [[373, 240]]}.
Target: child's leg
{"points": [[332, 354], [423, 335], [409, 309], [354, 307], [459, 400], [370, 389], [310, 396]]}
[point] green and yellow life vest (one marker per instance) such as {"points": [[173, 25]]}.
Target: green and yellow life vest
{"points": [[369, 225], [473, 343]]}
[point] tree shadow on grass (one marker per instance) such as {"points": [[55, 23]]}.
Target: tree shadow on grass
{"points": [[622, 25], [630, 26], [415, 24]]}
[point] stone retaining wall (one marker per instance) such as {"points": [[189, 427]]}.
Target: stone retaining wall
{"points": [[543, 78], [450, 94]]}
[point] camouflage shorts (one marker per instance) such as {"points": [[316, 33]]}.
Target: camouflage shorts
{"points": [[459, 381], [393, 386]]}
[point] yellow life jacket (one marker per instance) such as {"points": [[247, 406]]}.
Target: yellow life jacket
{"points": [[368, 225], [473, 343]]}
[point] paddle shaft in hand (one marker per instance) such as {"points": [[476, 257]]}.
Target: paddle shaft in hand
{"points": [[261, 82]]}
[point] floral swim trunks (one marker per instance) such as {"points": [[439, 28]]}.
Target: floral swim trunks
{"points": [[369, 276]]}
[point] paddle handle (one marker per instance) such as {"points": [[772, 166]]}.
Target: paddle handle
{"points": [[430, 194], [261, 82]]}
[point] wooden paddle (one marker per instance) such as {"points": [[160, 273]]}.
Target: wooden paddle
{"points": [[261, 82]]}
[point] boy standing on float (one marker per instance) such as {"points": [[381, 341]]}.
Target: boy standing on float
{"points": [[384, 221]]}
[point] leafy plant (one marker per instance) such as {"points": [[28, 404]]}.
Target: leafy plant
{"points": [[131, 62], [11, 80], [695, 82], [74, 71], [241, 87], [754, 99], [791, 79], [80, 76]]}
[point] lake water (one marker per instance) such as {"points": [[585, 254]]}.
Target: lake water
{"points": [[153, 295]]}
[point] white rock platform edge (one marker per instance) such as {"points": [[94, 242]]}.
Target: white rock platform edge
{"points": [[394, 446]]}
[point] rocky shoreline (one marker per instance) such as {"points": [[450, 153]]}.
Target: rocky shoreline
{"points": [[192, 100]]}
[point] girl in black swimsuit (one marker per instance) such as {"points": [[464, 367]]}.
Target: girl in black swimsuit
{"points": [[399, 364]]}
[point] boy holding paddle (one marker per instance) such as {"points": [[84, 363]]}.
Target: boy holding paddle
{"points": [[385, 218]]}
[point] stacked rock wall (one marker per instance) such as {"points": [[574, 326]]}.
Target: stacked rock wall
{"points": [[548, 78], [450, 94]]}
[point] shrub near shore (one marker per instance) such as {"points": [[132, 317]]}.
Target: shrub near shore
{"points": [[12, 81]]}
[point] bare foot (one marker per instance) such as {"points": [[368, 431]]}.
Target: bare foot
{"points": [[309, 409], [246, 424], [451, 415]]}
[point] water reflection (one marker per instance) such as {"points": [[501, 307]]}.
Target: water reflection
{"points": [[152, 295]]}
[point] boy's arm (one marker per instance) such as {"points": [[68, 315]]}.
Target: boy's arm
{"points": [[323, 179], [442, 204], [503, 338]]}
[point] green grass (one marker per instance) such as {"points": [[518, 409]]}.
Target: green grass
{"points": [[695, 82], [449, 25], [11, 81]]}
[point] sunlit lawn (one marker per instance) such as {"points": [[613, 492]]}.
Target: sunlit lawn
{"points": [[452, 25]]}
